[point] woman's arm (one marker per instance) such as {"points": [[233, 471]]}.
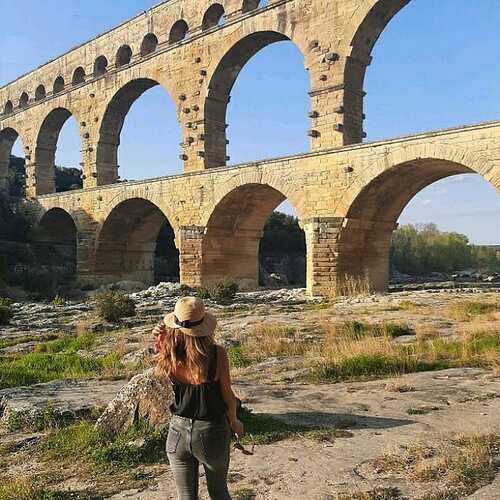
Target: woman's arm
{"points": [[227, 392]]}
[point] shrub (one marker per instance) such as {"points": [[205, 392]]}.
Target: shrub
{"points": [[113, 305], [6, 313], [224, 291], [58, 301], [185, 290], [202, 293]]}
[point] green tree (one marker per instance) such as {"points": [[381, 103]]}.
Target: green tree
{"points": [[422, 248]]}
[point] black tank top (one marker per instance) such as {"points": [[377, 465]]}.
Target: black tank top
{"points": [[199, 401]]}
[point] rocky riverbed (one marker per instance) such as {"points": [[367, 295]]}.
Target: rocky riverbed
{"points": [[353, 423]]}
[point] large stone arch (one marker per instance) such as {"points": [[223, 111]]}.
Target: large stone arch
{"points": [[8, 136], [374, 205], [219, 89], [233, 230], [46, 147], [126, 242], [112, 123]]}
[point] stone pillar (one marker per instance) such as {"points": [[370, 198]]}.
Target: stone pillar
{"points": [[4, 172], [40, 172], [321, 243], [102, 170], [190, 245], [336, 99]]}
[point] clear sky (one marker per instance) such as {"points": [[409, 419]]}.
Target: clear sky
{"points": [[436, 65]]}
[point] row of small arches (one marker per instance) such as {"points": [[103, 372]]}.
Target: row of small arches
{"points": [[214, 16]]}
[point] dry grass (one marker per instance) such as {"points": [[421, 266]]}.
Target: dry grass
{"points": [[426, 332], [466, 310], [461, 464], [378, 493], [266, 340], [353, 286], [351, 355], [410, 306], [21, 489], [398, 385]]}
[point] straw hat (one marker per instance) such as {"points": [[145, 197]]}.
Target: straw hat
{"points": [[190, 318]]}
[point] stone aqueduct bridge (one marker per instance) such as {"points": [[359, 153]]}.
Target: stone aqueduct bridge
{"points": [[348, 195]]}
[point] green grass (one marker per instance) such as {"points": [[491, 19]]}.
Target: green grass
{"points": [[26, 338], [140, 445], [39, 367], [237, 358], [364, 366], [353, 329], [68, 344]]}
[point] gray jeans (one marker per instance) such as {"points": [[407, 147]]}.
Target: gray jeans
{"points": [[191, 442]]}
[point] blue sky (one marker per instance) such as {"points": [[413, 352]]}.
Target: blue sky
{"points": [[436, 65]]}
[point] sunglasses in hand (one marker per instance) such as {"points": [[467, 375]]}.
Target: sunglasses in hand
{"points": [[238, 446]]}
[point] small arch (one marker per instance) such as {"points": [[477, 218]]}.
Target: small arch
{"points": [[78, 76], [100, 66], [214, 16], [58, 85], [249, 5], [149, 44], [178, 32], [8, 108], [40, 93], [23, 100], [123, 56]]}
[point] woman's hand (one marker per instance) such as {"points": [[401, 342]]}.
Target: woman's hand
{"points": [[237, 427], [159, 332]]}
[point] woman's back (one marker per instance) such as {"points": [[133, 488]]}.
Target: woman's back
{"points": [[200, 401]]}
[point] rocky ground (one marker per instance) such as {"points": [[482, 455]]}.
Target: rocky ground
{"points": [[369, 419]]}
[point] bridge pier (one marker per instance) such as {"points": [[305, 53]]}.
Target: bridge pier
{"points": [[347, 256], [190, 246]]}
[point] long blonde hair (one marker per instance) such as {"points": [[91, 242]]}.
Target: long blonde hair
{"points": [[178, 349]]}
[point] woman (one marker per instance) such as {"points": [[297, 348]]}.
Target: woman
{"points": [[204, 411]]}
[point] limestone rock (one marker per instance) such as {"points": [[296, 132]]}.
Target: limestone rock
{"points": [[65, 399], [145, 397]]}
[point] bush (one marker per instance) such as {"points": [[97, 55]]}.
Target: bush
{"points": [[6, 313], [113, 305], [58, 301], [223, 291]]}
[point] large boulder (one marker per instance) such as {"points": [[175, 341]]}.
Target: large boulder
{"points": [[146, 397]]}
